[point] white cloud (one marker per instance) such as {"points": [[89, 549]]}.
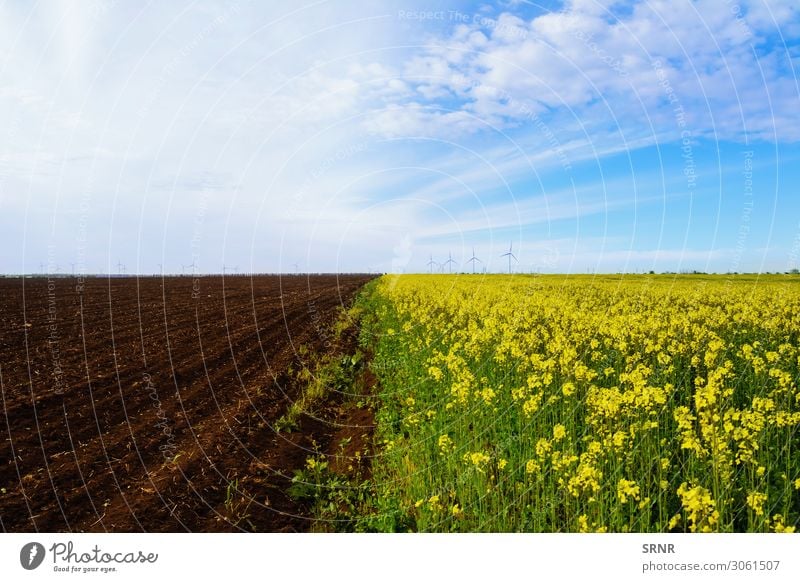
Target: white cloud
{"points": [[571, 60]]}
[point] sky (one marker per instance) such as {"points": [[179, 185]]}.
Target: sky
{"points": [[333, 136]]}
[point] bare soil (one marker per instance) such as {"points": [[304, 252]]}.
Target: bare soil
{"points": [[149, 404]]}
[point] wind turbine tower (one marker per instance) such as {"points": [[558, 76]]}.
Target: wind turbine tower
{"points": [[449, 262], [510, 255], [431, 263], [474, 260]]}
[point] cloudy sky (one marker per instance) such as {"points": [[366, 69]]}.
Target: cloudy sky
{"points": [[361, 135]]}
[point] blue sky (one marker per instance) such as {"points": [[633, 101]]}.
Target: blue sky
{"points": [[353, 136]]}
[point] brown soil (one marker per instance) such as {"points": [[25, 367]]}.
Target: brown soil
{"points": [[149, 404]]}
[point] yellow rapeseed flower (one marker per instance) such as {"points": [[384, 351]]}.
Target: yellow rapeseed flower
{"points": [[778, 525], [702, 514], [583, 523], [755, 501], [477, 459], [625, 489], [446, 444]]}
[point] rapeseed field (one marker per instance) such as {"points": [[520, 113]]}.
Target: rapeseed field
{"points": [[586, 404]]}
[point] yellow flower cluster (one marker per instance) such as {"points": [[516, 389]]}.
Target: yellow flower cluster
{"points": [[756, 502], [476, 459], [701, 511], [627, 489], [446, 444]]}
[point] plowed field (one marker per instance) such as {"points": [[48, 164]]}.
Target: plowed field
{"points": [[148, 404]]}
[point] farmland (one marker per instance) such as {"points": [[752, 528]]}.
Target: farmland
{"points": [[586, 404], [431, 403], [150, 404]]}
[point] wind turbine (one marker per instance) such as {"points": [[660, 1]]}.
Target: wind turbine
{"points": [[473, 260], [510, 255], [449, 261], [296, 268], [431, 263]]}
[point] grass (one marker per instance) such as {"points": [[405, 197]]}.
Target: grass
{"points": [[237, 504], [324, 374]]}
